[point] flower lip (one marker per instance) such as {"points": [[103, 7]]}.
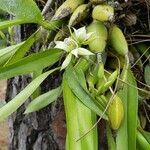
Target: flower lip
{"points": [[62, 45], [67, 45]]}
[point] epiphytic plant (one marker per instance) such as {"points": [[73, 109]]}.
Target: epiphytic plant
{"points": [[90, 86]]}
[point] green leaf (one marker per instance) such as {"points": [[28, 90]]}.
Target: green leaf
{"points": [[146, 134], [51, 25], [6, 24], [20, 52], [22, 9], [122, 133], [83, 95], [132, 110], [147, 74], [31, 63], [43, 100], [13, 53], [25, 11], [86, 119], [126, 135], [16, 102], [143, 49], [83, 64], [81, 77], [71, 118], [90, 141], [7, 52], [77, 123], [110, 140], [9, 49], [3, 43], [142, 143], [37, 92]]}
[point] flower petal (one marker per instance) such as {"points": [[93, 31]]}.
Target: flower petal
{"points": [[70, 43], [83, 51], [62, 45], [80, 34], [75, 52], [66, 61]]}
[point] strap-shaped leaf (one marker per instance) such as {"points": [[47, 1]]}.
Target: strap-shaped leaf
{"points": [[110, 139], [25, 11], [43, 100], [147, 74], [50, 25], [79, 120], [146, 134], [81, 77], [7, 52], [126, 135], [9, 49], [71, 118], [22, 9], [83, 95], [16, 102], [142, 143], [20, 52], [132, 110], [6, 24], [13, 53], [90, 141], [30, 63], [122, 133]]}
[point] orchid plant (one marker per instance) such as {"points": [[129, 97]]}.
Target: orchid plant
{"points": [[89, 88]]}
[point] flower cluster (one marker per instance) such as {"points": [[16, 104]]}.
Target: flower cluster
{"points": [[72, 45]]}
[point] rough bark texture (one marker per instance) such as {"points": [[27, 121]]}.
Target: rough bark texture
{"points": [[43, 130]]}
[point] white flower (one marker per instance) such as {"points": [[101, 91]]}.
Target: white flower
{"points": [[81, 51], [67, 45], [81, 35], [72, 45], [62, 45]]}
